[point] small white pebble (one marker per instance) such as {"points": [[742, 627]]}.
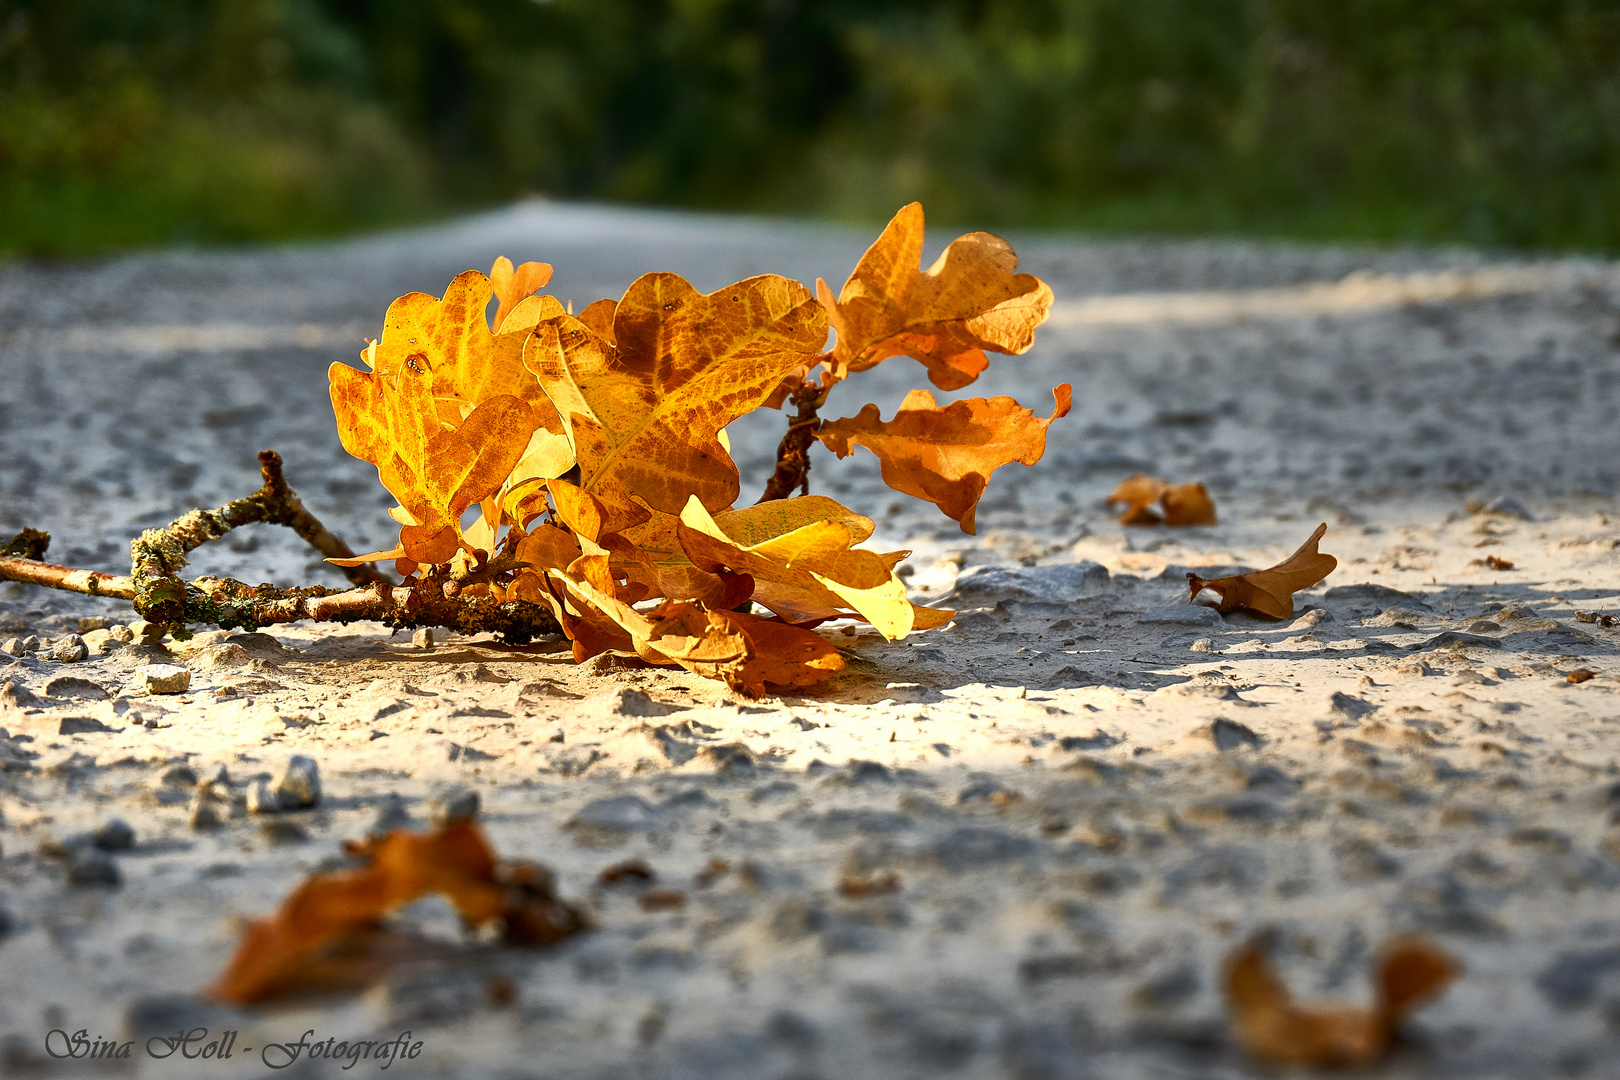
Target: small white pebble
{"points": [[163, 678]]}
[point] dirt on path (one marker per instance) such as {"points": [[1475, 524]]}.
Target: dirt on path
{"points": [[1087, 794]]}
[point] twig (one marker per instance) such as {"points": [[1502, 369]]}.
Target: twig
{"points": [[793, 452], [159, 594]]}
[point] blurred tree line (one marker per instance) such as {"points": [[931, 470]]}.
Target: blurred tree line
{"points": [[154, 121]]}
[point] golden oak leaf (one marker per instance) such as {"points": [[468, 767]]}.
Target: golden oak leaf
{"points": [[512, 286], [1181, 504], [1270, 592], [810, 571], [945, 454], [1271, 1027], [970, 300], [449, 340], [599, 317], [744, 651], [389, 418], [644, 409]]}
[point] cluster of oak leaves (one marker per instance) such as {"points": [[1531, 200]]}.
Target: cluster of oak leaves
{"points": [[593, 445]]}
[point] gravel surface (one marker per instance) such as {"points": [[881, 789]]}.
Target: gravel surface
{"points": [[1087, 794]]}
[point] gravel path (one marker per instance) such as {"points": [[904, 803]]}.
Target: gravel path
{"points": [[1087, 796]]}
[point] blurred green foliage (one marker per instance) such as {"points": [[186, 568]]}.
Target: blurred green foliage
{"points": [[154, 121]]}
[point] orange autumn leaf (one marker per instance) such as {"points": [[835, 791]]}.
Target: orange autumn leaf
{"points": [[970, 300], [744, 651], [278, 953], [1180, 504], [1269, 593], [449, 340], [644, 409], [1407, 975], [391, 420], [513, 285], [809, 569], [945, 454]]}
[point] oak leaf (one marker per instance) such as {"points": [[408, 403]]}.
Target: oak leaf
{"points": [[1408, 974], [745, 651], [512, 286], [810, 571], [644, 409], [391, 420], [1270, 592], [1181, 504], [283, 953], [945, 454], [970, 300]]}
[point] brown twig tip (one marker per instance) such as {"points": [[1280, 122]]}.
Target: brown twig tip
{"points": [[793, 452]]}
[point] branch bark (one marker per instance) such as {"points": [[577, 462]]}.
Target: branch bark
{"points": [[159, 594], [793, 452]]}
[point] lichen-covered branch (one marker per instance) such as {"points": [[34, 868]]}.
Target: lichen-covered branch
{"points": [[157, 555], [793, 452], [159, 594]]}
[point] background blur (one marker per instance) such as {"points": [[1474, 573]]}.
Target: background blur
{"points": [[159, 121]]}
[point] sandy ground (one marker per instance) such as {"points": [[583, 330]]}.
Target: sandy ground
{"points": [[1088, 795]]}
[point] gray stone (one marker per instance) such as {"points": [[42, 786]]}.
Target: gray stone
{"points": [[149, 634], [114, 834], [1203, 645], [453, 804], [12, 647], [82, 725], [298, 785], [92, 866], [17, 696], [1059, 582], [1380, 596], [163, 678], [262, 799], [178, 776], [1183, 615], [1572, 980], [973, 847], [120, 633], [71, 686], [70, 650], [92, 622], [423, 638], [30, 644], [616, 813], [639, 703]]}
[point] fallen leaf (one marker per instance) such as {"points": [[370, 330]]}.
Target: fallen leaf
{"points": [[513, 286], [1269, 593], [1407, 975], [809, 572], [435, 472], [945, 454], [644, 408], [970, 300], [1180, 504], [1580, 675], [744, 651], [876, 886], [279, 953], [1496, 562]]}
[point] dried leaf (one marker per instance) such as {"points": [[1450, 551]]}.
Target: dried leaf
{"points": [[745, 651], [945, 454], [1181, 504], [277, 952], [450, 340], [512, 286], [1270, 593], [644, 415], [1270, 1026], [390, 419], [970, 300], [810, 572]]}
